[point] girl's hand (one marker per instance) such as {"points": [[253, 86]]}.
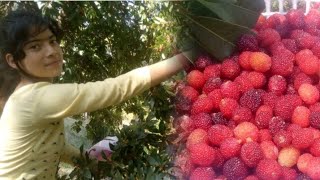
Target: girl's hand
{"points": [[103, 146]]}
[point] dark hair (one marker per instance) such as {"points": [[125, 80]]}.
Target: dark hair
{"points": [[15, 29]]}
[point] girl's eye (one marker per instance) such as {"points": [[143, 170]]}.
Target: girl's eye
{"points": [[35, 47], [54, 41]]}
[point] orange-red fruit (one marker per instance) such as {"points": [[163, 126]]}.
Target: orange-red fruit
{"points": [[304, 162], [269, 150], [257, 79], [288, 156], [197, 136], [244, 60], [196, 79], [217, 133], [268, 169], [308, 93], [260, 61], [202, 154], [202, 173], [301, 116], [246, 132], [251, 153], [307, 62]]}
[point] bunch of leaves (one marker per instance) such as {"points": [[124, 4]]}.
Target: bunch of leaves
{"points": [[214, 26]]}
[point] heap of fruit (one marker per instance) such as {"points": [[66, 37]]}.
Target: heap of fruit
{"points": [[255, 115]]}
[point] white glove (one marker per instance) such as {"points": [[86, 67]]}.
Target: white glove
{"points": [[102, 146]]}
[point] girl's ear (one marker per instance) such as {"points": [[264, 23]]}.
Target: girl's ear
{"points": [[10, 61]]}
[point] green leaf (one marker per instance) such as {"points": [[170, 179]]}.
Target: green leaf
{"points": [[234, 13], [217, 37], [256, 5]]}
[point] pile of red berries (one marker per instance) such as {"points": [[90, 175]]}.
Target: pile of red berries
{"points": [[256, 115]]}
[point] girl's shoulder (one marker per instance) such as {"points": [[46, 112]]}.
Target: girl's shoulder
{"points": [[29, 88]]}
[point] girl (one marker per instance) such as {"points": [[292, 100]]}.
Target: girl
{"points": [[33, 108]]}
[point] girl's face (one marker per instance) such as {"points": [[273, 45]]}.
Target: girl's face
{"points": [[43, 56]]}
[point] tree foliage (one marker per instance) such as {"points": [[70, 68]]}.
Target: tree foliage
{"points": [[105, 39]]}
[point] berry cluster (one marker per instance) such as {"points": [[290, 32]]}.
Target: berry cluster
{"points": [[256, 115]]}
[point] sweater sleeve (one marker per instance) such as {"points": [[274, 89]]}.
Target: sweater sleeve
{"points": [[56, 101]]}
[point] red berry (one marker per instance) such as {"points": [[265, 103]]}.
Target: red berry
{"points": [[277, 84], [315, 148], [230, 147], [282, 138], [248, 42], [196, 79], [217, 133], [212, 84], [227, 106], [268, 169], [252, 99], [202, 154], [302, 139], [230, 69], [212, 71], [230, 89], [268, 36], [202, 173], [251, 153], [234, 168], [202, 120], [202, 105], [202, 62]]}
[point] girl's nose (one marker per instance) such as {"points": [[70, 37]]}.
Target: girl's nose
{"points": [[51, 50]]}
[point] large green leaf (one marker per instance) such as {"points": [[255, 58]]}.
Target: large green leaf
{"points": [[256, 5], [216, 36], [237, 13]]}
